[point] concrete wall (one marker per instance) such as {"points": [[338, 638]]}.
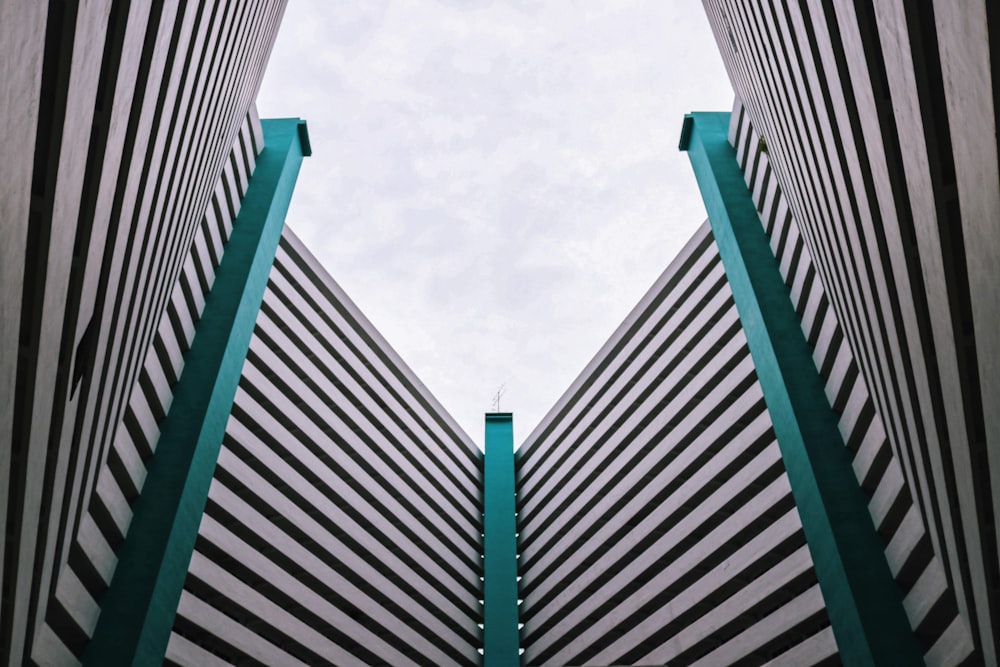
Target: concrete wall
{"points": [[344, 523], [879, 120], [126, 118], [656, 520], [929, 602]]}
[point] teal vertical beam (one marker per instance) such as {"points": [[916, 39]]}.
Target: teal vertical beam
{"points": [[138, 610], [863, 600], [501, 638]]}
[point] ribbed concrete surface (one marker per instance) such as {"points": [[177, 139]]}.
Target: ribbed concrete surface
{"points": [[126, 121], [344, 521], [880, 126], [656, 521]]}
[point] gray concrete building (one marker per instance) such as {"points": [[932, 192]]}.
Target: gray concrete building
{"points": [[880, 121], [209, 455], [787, 453], [854, 226], [119, 123]]}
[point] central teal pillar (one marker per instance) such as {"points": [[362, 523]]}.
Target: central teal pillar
{"points": [[138, 610], [501, 638], [863, 601]]}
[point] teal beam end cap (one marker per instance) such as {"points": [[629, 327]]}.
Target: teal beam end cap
{"points": [[686, 129], [499, 416], [303, 129]]}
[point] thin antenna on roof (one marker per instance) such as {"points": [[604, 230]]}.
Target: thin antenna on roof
{"points": [[496, 397]]}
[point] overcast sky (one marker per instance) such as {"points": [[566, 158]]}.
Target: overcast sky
{"points": [[495, 184]]}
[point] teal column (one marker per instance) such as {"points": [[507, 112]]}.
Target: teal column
{"points": [[137, 611], [863, 600], [501, 637]]}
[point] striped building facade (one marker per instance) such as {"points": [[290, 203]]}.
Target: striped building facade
{"points": [[787, 453], [880, 122], [210, 455], [854, 203], [343, 520], [119, 127], [656, 520]]}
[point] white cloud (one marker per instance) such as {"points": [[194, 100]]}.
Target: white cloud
{"points": [[495, 184]]}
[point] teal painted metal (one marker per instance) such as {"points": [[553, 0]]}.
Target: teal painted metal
{"points": [[501, 637], [138, 610], [863, 600]]}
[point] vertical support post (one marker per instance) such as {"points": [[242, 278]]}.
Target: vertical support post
{"points": [[138, 610], [863, 600], [501, 637]]}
